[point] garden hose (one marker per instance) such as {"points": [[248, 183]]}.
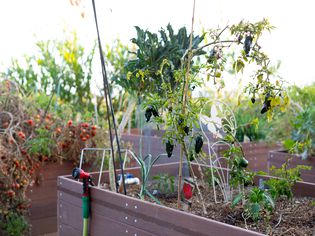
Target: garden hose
{"points": [[78, 173]]}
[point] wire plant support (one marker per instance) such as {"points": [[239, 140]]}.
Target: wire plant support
{"points": [[109, 109]]}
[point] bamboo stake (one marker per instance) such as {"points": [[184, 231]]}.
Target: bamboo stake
{"points": [[185, 90]]}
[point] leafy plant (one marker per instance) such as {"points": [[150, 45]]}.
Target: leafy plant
{"points": [[287, 177], [165, 183], [145, 167], [30, 137], [249, 126], [303, 133], [14, 225], [256, 202], [156, 59], [238, 164], [41, 144], [61, 67]]}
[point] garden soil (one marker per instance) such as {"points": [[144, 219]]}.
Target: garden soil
{"points": [[290, 217]]}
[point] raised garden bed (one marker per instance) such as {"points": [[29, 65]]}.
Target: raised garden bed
{"points": [[116, 214], [277, 158]]}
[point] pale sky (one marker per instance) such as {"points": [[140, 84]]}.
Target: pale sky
{"points": [[22, 23]]}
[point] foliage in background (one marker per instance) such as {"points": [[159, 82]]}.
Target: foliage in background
{"points": [[296, 127], [13, 224], [60, 67], [302, 139], [303, 133], [250, 125]]}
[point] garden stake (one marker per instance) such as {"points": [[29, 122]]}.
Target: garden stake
{"points": [[78, 173], [185, 91], [109, 109]]}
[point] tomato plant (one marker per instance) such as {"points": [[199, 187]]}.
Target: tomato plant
{"points": [[30, 137]]}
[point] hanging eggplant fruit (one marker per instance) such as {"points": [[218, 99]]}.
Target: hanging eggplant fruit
{"points": [[185, 128], [267, 104], [169, 148], [247, 44], [149, 112], [243, 162], [198, 144]]}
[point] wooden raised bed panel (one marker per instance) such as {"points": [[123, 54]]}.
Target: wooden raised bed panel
{"points": [[278, 158], [255, 152], [43, 211], [117, 214]]}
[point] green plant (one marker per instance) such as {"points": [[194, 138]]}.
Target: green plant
{"points": [[42, 143], [165, 183], [208, 176], [178, 110], [14, 225], [295, 127], [31, 136], [256, 202], [248, 124], [145, 75], [145, 167], [240, 176], [61, 67], [303, 134], [287, 177]]}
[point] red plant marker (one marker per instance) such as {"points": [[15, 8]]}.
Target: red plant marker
{"points": [[187, 191]]}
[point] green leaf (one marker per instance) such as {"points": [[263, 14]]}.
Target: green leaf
{"points": [[239, 65], [217, 74], [237, 199], [261, 172], [255, 210], [289, 144], [269, 200]]}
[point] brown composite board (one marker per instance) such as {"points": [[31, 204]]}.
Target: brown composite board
{"points": [[67, 230], [44, 209], [99, 223], [150, 217], [47, 224], [278, 158], [173, 222]]}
